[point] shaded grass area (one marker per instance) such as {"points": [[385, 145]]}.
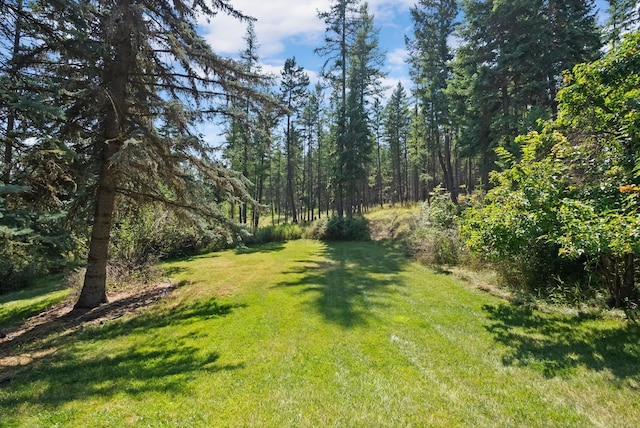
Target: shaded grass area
{"points": [[562, 345], [328, 334], [17, 306], [348, 281]]}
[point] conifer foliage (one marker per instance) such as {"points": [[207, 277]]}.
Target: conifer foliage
{"points": [[133, 77], [157, 76]]}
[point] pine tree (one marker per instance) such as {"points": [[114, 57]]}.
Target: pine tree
{"points": [[312, 125], [293, 93], [341, 22], [624, 16], [364, 81], [138, 77], [377, 116], [35, 177], [396, 129], [508, 67], [431, 54]]}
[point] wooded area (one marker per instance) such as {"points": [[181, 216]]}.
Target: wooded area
{"points": [[102, 160]]}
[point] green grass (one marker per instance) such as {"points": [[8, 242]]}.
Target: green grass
{"points": [[18, 306], [329, 334]]}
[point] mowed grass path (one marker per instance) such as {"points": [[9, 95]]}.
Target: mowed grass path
{"points": [[330, 334]]}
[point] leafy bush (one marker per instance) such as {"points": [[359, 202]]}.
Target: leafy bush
{"points": [[540, 228], [434, 236], [278, 233], [515, 224], [143, 234], [340, 229], [572, 199]]}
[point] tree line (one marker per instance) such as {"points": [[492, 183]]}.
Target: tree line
{"points": [[100, 102]]}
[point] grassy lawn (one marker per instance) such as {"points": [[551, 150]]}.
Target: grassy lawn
{"points": [[16, 307], [340, 334]]}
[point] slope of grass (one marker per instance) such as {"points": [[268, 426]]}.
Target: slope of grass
{"points": [[329, 334]]}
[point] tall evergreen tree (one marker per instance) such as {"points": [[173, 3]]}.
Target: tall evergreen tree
{"points": [[364, 81], [624, 16], [396, 130], [508, 67], [10, 72], [139, 75], [341, 22], [293, 92], [248, 133], [312, 124], [433, 22], [377, 116], [35, 178], [571, 36]]}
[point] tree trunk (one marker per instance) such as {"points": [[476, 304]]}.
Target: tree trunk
{"points": [[116, 78], [290, 172], [447, 168], [94, 289], [628, 279], [619, 275], [259, 193]]}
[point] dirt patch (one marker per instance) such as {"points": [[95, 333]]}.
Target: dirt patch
{"points": [[64, 319]]}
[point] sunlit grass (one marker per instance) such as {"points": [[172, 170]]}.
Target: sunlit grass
{"points": [[330, 334]]}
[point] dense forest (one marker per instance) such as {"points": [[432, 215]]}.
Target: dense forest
{"points": [[523, 113]]}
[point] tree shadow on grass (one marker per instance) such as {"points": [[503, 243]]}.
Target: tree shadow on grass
{"points": [[54, 369], [63, 377], [557, 344], [63, 317], [269, 247], [351, 281]]}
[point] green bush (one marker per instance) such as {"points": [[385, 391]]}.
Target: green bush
{"points": [[143, 234], [16, 268], [340, 229], [278, 233], [434, 237], [436, 247], [517, 224]]}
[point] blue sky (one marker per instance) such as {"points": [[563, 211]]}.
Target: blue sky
{"points": [[287, 28]]}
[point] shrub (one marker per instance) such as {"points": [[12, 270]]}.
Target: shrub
{"points": [[434, 237], [340, 229], [278, 233], [517, 225], [434, 246], [144, 234]]}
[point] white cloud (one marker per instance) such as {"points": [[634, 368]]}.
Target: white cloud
{"points": [[385, 11], [281, 22], [396, 58], [278, 22], [390, 84]]}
